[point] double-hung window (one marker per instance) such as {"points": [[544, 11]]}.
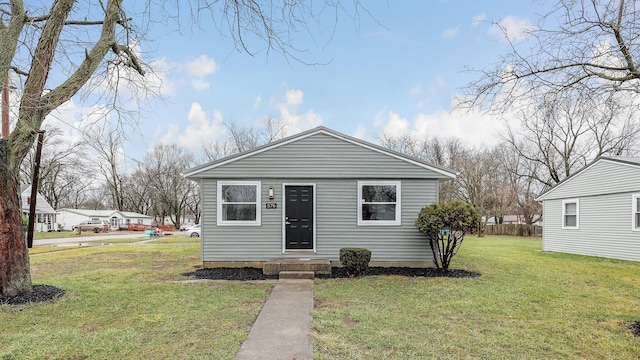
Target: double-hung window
{"points": [[571, 214], [635, 212], [239, 202], [379, 203]]}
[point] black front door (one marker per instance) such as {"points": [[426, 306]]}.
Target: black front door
{"points": [[298, 217]]}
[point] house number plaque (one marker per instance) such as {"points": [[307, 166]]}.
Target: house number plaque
{"points": [[272, 205]]}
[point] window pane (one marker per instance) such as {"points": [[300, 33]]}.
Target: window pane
{"points": [[637, 220], [379, 212], [379, 193], [570, 208], [239, 193], [239, 212], [570, 220], [638, 204]]}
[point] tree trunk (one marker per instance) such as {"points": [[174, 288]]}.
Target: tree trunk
{"points": [[15, 277]]}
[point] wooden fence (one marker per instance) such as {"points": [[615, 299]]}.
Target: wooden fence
{"points": [[513, 230]]}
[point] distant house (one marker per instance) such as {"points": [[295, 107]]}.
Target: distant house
{"points": [[45, 219], [308, 195], [596, 211], [67, 218]]}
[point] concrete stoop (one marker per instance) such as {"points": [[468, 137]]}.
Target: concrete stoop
{"points": [[315, 266], [297, 275]]}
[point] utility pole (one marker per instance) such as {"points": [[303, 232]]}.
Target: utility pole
{"points": [[34, 189]]}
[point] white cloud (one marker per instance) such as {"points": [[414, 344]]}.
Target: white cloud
{"points": [[361, 132], [201, 129], [295, 122], [257, 102], [294, 97], [201, 66], [478, 19], [451, 33], [472, 128], [200, 84], [392, 124], [416, 90], [516, 29], [198, 69]]}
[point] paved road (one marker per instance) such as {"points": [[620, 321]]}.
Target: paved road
{"points": [[83, 239]]}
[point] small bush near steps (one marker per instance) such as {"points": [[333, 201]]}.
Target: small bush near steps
{"points": [[355, 260]]}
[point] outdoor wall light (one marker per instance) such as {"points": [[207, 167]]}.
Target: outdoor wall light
{"points": [[271, 192]]}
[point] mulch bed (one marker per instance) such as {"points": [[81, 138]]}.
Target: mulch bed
{"points": [[40, 293], [635, 328], [245, 274]]}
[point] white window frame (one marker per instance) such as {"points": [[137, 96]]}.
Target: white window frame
{"points": [[258, 202], [564, 207], [634, 211], [397, 221]]}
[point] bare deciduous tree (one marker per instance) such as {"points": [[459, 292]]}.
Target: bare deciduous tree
{"points": [[73, 39], [442, 152], [108, 158], [61, 167], [589, 46], [169, 189], [240, 139], [562, 134]]}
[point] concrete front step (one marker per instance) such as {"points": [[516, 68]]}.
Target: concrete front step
{"points": [[297, 275], [317, 266]]}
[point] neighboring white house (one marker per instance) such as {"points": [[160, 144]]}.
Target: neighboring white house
{"points": [[596, 211], [45, 219], [308, 195], [67, 218]]}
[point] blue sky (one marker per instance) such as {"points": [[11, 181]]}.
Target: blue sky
{"points": [[397, 74]]}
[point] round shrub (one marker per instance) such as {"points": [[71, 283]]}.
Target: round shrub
{"points": [[355, 260]]}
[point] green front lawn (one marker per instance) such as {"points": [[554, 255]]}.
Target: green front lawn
{"points": [[124, 302], [527, 304]]}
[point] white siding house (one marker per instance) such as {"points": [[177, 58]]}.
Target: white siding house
{"points": [[311, 194], [45, 219], [67, 218], [596, 211]]}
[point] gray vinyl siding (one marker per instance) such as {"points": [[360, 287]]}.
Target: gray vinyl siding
{"points": [[605, 191], [319, 156], [604, 176], [605, 227], [336, 223]]}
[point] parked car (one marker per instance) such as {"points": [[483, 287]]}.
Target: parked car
{"points": [[194, 231], [186, 226], [92, 225]]}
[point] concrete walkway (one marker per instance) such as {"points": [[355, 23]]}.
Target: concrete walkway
{"points": [[283, 326]]}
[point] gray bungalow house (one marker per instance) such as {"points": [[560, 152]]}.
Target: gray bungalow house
{"points": [[596, 211], [308, 195]]}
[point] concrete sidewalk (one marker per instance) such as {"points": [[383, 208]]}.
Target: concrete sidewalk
{"points": [[283, 326]]}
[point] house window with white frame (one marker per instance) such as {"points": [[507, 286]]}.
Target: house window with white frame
{"points": [[635, 212], [571, 214], [379, 203], [239, 202]]}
